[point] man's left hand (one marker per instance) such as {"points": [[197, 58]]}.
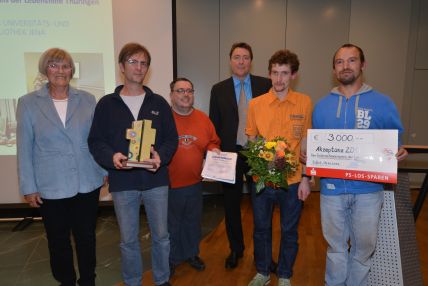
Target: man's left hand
{"points": [[216, 150], [155, 160], [401, 154]]}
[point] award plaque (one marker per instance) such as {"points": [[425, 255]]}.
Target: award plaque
{"points": [[142, 137]]}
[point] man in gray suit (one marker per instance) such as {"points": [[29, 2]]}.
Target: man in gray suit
{"points": [[228, 104]]}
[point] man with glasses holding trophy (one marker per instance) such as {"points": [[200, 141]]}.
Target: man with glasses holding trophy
{"points": [[132, 104]]}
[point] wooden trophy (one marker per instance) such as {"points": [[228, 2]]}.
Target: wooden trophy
{"points": [[142, 137]]}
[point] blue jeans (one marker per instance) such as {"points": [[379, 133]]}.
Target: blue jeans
{"points": [[127, 208], [184, 222], [290, 208], [355, 218]]}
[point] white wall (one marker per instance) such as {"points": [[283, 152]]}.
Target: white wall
{"points": [[148, 22], [313, 29]]}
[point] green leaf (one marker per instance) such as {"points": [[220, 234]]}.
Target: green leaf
{"points": [[260, 186]]}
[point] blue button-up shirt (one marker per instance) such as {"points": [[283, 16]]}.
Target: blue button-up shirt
{"points": [[247, 87]]}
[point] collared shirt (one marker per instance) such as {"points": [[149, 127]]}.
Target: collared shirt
{"points": [[247, 87], [268, 117]]}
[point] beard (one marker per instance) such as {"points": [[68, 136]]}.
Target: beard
{"points": [[347, 78]]}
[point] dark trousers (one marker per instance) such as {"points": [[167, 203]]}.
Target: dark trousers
{"points": [[289, 208], [77, 216], [184, 222], [232, 205]]}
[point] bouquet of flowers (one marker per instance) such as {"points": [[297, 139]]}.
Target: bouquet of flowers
{"points": [[271, 162]]}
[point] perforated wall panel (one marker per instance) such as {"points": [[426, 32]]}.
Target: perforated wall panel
{"points": [[386, 263], [396, 259]]}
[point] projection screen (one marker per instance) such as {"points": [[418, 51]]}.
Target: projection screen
{"points": [[93, 31]]}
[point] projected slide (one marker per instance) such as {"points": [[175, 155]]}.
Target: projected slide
{"points": [[28, 27], [93, 32]]}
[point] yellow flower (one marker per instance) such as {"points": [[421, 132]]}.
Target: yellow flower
{"points": [[270, 145], [268, 156]]}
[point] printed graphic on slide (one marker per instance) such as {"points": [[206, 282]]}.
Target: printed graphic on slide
{"points": [[28, 28], [8, 122], [88, 76]]}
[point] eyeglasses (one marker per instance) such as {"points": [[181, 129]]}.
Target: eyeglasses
{"points": [[182, 91], [135, 63], [57, 67]]}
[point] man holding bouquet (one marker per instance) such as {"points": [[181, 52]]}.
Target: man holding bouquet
{"points": [[284, 113]]}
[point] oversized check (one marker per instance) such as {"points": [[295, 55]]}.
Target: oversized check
{"points": [[353, 154]]}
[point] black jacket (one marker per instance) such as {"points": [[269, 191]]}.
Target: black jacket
{"points": [[224, 108], [108, 136]]}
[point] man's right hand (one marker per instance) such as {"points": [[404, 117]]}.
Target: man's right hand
{"points": [[303, 157], [118, 158], [34, 200]]}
